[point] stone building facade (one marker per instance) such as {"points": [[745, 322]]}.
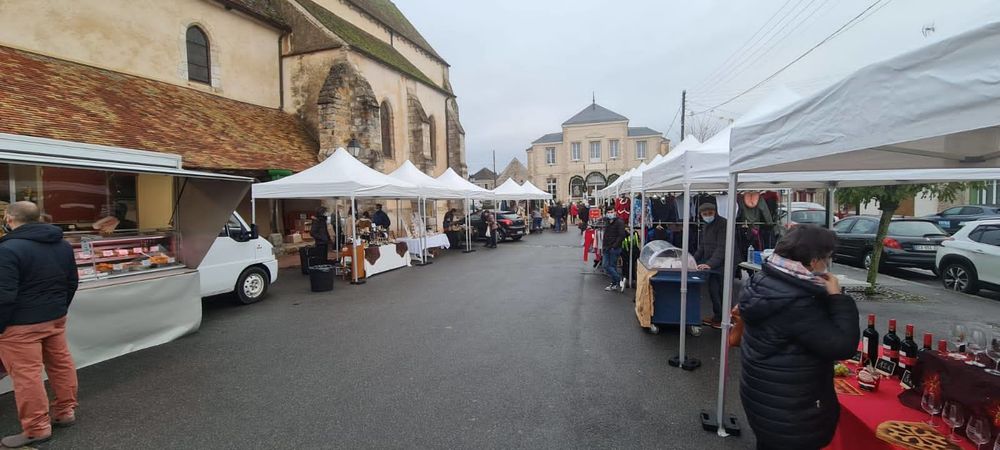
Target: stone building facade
{"points": [[266, 85], [593, 149]]}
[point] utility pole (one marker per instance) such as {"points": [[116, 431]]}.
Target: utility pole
{"points": [[684, 94], [494, 169]]}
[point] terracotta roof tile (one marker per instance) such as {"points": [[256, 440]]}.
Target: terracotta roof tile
{"points": [[53, 98]]}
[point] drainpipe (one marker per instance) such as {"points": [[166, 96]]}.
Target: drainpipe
{"points": [[281, 77]]}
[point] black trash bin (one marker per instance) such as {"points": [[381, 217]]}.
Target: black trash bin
{"points": [[321, 277], [304, 259]]}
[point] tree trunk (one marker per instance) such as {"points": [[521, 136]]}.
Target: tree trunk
{"points": [[883, 229]]}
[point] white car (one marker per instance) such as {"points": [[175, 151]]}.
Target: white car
{"points": [[239, 261], [970, 259]]}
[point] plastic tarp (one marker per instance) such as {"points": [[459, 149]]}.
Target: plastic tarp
{"points": [[429, 187], [538, 193], [934, 107], [340, 175], [454, 181]]}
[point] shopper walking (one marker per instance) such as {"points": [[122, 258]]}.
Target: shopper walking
{"points": [[573, 213], [614, 234], [796, 325], [490, 222], [711, 256], [558, 213], [38, 280], [583, 212]]}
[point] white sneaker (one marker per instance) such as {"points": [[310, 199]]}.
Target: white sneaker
{"points": [[610, 287], [621, 286]]}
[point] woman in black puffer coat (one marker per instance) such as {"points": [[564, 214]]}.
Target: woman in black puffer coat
{"points": [[797, 324]]}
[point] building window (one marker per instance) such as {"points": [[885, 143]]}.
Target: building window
{"points": [[595, 151], [612, 178], [550, 186], [640, 150], [550, 155], [576, 186], [575, 151], [198, 58], [614, 151], [385, 114]]}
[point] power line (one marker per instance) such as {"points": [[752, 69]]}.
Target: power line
{"points": [[673, 121], [768, 37], [718, 70], [807, 52], [749, 62]]}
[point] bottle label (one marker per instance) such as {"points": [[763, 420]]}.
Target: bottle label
{"points": [[889, 353], [864, 345], [906, 361]]}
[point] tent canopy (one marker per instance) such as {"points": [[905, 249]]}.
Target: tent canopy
{"points": [[510, 190], [428, 186], [935, 107], [340, 175], [455, 182], [538, 193]]}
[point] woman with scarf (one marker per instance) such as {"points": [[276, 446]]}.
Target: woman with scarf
{"points": [[797, 323]]}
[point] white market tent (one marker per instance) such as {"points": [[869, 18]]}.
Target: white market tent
{"points": [[510, 190], [457, 183], [427, 187], [937, 107], [538, 194], [340, 175]]}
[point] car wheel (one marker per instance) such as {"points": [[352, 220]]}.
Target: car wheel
{"points": [[252, 285], [501, 235], [958, 276], [866, 261], [517, 238]]}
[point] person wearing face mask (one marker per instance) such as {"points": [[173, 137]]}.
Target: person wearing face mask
{"points": [[796, 325], [38, 280], [711, 256], [614, 234]]}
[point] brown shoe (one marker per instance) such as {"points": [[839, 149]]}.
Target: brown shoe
{"points": [[21, 440], [64, 421]]}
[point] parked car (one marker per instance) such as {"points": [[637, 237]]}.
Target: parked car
{"points": [[239, 262], [970, 259], [908, 243], [805, 212], [510, 226], [953, 218]]}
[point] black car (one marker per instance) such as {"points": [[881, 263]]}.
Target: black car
{"points": [[952, 219], [509, 226], [908, 243]]}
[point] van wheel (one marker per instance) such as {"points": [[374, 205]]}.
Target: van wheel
{"points": [[252, 285]]}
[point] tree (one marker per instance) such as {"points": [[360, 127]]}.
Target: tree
{"points": [[889, 198], [703, 126]]}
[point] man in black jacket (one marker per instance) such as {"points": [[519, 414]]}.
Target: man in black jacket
{"points": [[38, 280], [380, 218], [711, 256], [614, 234]]}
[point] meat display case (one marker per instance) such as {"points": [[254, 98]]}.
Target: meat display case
{"points": [[112, 257]]}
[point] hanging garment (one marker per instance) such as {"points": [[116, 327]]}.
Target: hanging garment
{"points": [[623, 208], [665, 209], [753, 211], [589, 242]]}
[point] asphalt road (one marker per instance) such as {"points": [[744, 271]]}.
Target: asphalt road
{"points": [[517, 347]]}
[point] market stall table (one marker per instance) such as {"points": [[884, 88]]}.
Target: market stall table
{"points": [[415, 245], [383, 258]]}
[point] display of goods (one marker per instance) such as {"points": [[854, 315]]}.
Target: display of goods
{"points": [[869, 379], [104, 267]]}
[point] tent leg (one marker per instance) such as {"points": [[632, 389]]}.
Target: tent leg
{"points": [[421, 237], [727, 294], [354, 253], [681, 360], [468, 228], [253, 211], [831, 196]]}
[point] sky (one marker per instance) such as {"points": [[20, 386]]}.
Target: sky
{"points": [[522, 67]]}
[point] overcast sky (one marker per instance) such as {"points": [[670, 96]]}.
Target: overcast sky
{"points": [[522, 67]]}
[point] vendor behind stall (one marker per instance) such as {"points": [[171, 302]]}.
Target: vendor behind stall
{"points": [[380, 218], [711, 256]]}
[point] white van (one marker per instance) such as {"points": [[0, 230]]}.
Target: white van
{"points": [[239, 261]]}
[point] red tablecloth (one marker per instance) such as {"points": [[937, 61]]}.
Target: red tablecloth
{"points": [[860, 415]]}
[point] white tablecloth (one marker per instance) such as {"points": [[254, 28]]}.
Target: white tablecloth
{"points": [[433, 241], [388, 260]]}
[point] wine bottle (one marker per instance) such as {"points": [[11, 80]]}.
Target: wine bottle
{"points": [[908, 351], [890, 343], [869, 345], [928, 341]]}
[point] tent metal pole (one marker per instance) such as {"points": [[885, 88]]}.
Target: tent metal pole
{"points": [[253, 211], [685, 247], [831, 196], [631, 232], [727, 295], [354, 239]]}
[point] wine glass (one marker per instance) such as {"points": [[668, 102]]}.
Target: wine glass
{"points": [[954, 416], [996, 445], [978, 430], [931, 404], [958, 333], [977, 345], [993, 352]]}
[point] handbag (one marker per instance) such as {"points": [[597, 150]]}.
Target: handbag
{"points": [[736, 332]]}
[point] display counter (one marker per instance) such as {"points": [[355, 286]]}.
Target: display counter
{"points": [[383, 258], [416, 245]]}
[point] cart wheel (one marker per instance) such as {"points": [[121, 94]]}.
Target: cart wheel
{"points": [[654, 329], [695, 331]]}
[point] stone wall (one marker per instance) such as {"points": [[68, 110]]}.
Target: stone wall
{"points": [[419, 131], [348, 108], [455, 139]]}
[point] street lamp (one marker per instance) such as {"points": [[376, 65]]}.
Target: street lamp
{"points": [[354, 147]]}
